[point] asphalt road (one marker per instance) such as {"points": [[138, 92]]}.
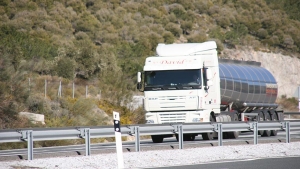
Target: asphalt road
{"points": [[269, 163]]}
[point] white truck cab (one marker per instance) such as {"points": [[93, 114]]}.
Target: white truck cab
{"points": [[181, 84]]}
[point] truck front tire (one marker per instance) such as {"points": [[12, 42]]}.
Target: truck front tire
{"points": [[208, 136], [157, 138]]}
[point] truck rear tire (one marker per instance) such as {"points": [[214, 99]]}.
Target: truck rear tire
{"points": [[274, 118], [157, 138], [234, 134], [261, 117], [267, 133]]}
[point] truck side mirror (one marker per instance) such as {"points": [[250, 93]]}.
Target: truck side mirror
{"points": [[139, 80], [139, 77], [208, 74]]}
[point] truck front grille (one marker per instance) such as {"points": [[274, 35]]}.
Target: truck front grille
{"points": [[172, 118]]}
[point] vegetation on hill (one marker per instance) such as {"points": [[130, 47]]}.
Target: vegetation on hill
{"points": [[103, 43]]}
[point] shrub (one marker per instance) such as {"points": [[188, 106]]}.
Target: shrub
{"points": [[197, 38], [217, 33], [66, 68], [168, 37], [35, 104], [174, 29], [262, 33]]}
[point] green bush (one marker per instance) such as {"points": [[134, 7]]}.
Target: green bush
{"points": [[66, 68], [174, 29], [35, 104]]}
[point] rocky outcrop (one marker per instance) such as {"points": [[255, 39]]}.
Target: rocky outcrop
{"points": [[33, 117], [286, 69]]}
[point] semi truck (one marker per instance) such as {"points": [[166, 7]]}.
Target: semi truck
{"points": [[189, 83]]}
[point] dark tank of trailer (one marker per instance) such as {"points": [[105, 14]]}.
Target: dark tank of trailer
{"points": [[248, 88]]}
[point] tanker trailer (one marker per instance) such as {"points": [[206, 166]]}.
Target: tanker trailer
{"points": [[188, 83], [250, 90]]}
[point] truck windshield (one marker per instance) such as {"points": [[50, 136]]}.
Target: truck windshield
{"points": [[173, 79]]}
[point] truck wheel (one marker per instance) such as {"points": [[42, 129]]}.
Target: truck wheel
{"points": [[157, 138], [188, 137], [209, 136], [261, 118], [234, 134], [226, 135], [274, 118], [267, 133]]}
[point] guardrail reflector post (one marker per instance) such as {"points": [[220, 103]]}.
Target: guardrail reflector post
{"points": [[118, 138], [87, 142], [287, 131], [137, 138]]}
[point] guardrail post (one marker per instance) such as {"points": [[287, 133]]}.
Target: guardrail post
{"points": [[287, 131], [87, 142], [180, 136], [135, 130], [28, 136], [137, 138], [85, 133], [220, 134], [179, 131], [255, 134], [30, 144]]}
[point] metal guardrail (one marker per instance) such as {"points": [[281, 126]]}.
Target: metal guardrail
{"points": [[291, 113], [38, 134]]}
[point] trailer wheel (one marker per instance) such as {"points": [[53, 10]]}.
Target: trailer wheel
{"points": [[274, 118], [261, 117], [267, 133], [234, 134], [157, 138]]}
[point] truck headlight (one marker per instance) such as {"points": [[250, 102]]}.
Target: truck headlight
{"points": [[152, 98], [150, 121], [197, 120]]}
